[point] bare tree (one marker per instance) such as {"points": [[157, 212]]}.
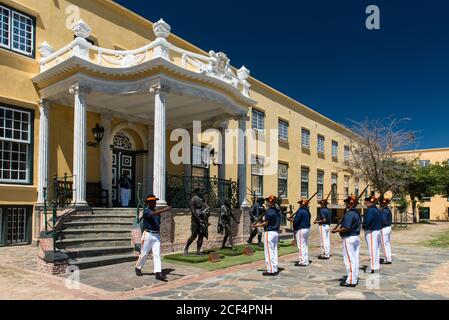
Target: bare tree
{"points": [[373, 150]]}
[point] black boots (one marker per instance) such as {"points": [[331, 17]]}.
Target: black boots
{"points": [[138, 272], [161, 277]]}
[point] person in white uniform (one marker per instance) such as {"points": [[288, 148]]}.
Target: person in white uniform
{"points": [[349, 230], [386, 231], [271, 224], [125, 189], [372, 224], [324, 221], [301, 228], [151, 239]]}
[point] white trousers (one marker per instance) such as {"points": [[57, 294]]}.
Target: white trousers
{"points": [[302, 241], [351, 256], [150, 242], [373, 241], [125, 196], [271, 239], [386, 243], [325, 240]]}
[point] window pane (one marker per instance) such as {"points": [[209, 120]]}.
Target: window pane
{"points": [[14, 124], [4, 26], [320, 184], [283, 130], [334, 149], [14, 166], [320, 145], [258, 120], [305, 138], [23, 33], [304, 182]]}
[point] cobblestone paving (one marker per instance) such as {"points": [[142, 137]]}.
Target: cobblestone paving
{"points": [[418, 273]]}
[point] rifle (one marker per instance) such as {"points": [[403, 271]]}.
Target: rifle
{"points": [[310, 199], [352, 205]]}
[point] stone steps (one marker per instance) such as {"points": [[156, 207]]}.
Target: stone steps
{"points": [[93, 233], [97, 251], [94, 224], [100, 238], [93, 242], [99, 261]]}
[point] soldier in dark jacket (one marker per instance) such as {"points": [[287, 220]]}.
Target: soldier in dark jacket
{"points": [[200, 221]]}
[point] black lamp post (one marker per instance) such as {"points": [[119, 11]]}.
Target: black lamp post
{"points": [[98, 133]]}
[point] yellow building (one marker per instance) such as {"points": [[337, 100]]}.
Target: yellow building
{"points": [[437, 208], [69, 65]]}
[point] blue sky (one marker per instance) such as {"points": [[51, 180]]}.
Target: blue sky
{"points": [[320, 53]]}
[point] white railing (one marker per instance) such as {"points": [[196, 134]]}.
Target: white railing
{"points": [[215, 65]]}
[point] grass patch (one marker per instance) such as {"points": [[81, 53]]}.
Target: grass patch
{"points": [[229, 252], [229, 261], [442, 241], [190, 259]]}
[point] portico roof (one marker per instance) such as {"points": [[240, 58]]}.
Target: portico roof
{"points": [[114, 75]]}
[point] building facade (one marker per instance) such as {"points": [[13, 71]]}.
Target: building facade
{"points": [[436, 208], [141, 83]]}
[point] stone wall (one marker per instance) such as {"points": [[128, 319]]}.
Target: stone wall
{"points": [[175, 230]]}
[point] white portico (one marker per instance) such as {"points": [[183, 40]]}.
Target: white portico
{"points": [[160, 86]]}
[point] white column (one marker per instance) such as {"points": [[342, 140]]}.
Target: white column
{"points": [[43, 149], [242, 160], [222, 165], [159, 167], [79, 146], [106, 156], [150, 160]]}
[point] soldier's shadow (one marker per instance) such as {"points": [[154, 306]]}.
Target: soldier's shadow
{"points": [[165, 272]]}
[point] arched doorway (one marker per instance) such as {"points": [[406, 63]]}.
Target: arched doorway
{"points": [[123, 159]]}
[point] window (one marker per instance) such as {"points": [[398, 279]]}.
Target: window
{"points": [[305, 138], [256, 176], [424, 213], [424, 163], [347, 153], [283, 181], [304, 182], [15, 225], [258, 121], [346, 186], [17, 31], [320, 145], [334, 149], [200, 162], [334, 183], [283, 130], [320, 184], [15, 145], [357, 187]]}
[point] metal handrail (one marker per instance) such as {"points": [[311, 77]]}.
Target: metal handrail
{"points": [[140, 204]]}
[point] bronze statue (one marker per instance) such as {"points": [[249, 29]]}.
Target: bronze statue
{"points": [[224, 224], [200, 221]]}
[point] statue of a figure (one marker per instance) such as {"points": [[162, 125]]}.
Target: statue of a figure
{"points": [[200, 221], [225, 224]]}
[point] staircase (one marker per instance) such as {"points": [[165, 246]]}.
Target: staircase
{"points": [[98, 239]]}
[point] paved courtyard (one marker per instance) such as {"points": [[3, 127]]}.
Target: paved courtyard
{"points": [[419, 272]]}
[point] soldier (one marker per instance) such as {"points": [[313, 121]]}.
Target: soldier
{"points": [[386, 230], [199, 222], [301, 227], [271, 224], [372, 224], [256, 211], [151, 239], [224, 224], [324, 221], [349, 230]]}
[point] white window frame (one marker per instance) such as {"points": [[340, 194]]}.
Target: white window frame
{"points": [[258, 118], [283, 130], [305, 179], [284, 177], [321, 141], [320, 184], [305, 138], [10, 47], [347, 153], [27, 142], [335, 149], [257, 166], [346, 186]]}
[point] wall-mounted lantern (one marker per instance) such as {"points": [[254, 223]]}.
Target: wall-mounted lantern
{"points": [[98, 133]]}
